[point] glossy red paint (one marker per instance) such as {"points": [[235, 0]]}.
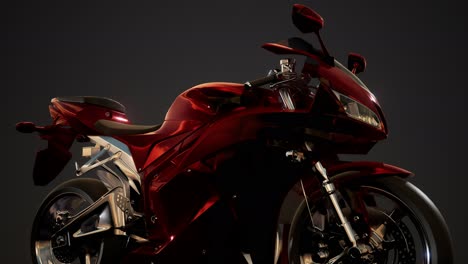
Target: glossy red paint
{"points": [[81, 116], [306, 19], [199, 102]]}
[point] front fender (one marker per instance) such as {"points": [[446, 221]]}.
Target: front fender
{"points": [[346, 171]]}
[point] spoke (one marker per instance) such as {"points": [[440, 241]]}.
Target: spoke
{"points": [[397, 214], [317, 219], [336, 258], [381, 204], [307, 204]]}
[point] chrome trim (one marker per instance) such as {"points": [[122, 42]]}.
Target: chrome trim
{"points": [[87, 258], [94, 162], [279, 242], [336, 258], [286, 98], [110, 179], [131, 176], [329, 187], [247, 258], [139, 239], [125, 157], [90, 151], [288, 65], [296, 156], [122, 179], [116, 214], [319, 167], [119, 154], [103, 224]]}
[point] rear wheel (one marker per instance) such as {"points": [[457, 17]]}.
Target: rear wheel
{"points": [[60, 205], [396, 223]]}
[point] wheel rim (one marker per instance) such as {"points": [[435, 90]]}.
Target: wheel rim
{"points": [[56, 213], [402, 225]]}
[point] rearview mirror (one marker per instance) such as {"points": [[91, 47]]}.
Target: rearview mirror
{"points": [[306, 19], [356, 63]]}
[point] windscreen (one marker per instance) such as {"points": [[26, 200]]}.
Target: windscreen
{"points": [[350, 74]]}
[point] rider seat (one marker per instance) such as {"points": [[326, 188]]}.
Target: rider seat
{"points": [[113, 128], [94, 100], [109, 127]]}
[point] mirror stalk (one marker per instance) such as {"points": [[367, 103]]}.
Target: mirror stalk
{"points": [[327, 58]]}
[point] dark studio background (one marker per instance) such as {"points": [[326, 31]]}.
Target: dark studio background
{"points": [[144, 54]]}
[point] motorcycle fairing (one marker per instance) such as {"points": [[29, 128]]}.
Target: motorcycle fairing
{"points": [[202, 102], [175, 158], [82, 115], [315, 65]]}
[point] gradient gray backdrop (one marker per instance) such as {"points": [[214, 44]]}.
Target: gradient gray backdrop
{"points": [[144, 54]]}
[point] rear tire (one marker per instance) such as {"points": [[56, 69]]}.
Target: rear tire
{"points": [[70, 198], [412, 220]]}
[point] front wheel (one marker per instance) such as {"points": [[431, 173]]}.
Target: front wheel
{"points": [[395, 222], [64, 202]]}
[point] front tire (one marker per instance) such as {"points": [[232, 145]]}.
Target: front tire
{"points": [[64, 201], [412, 227]]}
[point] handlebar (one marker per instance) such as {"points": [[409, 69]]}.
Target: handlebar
{"points": [[261, 81]]}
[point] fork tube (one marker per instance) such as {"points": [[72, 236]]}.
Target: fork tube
{"points": [[329, 188]]}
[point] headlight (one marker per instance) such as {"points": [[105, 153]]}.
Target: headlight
{"points": [[358, 111]]}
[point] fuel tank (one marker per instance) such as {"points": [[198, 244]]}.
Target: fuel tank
{"points": [[202, 102]]}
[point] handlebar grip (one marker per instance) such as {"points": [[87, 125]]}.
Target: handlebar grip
{"points": [[261, 81]]}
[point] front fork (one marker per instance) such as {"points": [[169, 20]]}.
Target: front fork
{"points": [[329, 188], [356, 250]]}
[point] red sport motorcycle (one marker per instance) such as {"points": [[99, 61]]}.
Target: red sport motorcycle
{"points": [[236, 173]]}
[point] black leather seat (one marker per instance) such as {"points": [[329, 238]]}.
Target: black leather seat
{"points": [[112, 128], [95, 100]]}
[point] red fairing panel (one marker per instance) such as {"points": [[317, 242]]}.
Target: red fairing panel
{"points": [[341, 82], [190, 111], [336, 78], [149, 147], [82, 116]]}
